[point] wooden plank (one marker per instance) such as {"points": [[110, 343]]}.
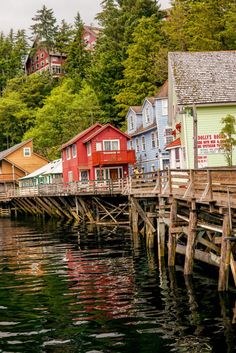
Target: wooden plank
{"points": [[200, 255], [192, 233], [225, 256]]}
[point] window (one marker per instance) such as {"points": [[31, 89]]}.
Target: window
{"points": [[131, 145], [67, 152], [70, 176], [27, 152], [37, 66], [143, 144], [111, 145], [168, 135], [147, 115], [74, 151], [131, 122], [137, 145], [42, 55], [98, 146], [37, 58], [164, 106], [153, 140], [42, 63], [89, 148]]}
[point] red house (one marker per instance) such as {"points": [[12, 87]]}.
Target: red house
{"points": [[99, 152]]}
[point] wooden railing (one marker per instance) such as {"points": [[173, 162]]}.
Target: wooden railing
{"points": [[113, 157], [205, 185]]}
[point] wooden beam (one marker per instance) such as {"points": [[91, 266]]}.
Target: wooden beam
{"points": [[192, 233], [225, 255], [142, 214], [209, 258], [172, 237], [87, 212]]}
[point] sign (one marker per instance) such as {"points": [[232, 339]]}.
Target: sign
{"points": [[209, 144], [202, 161]]}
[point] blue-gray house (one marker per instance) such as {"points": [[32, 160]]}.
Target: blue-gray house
{"points": [[148, 127]]}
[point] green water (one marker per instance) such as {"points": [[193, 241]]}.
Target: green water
{"points": [[74, 289]]}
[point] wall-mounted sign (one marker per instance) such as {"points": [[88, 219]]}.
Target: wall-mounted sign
{"points": [[209, 144]]}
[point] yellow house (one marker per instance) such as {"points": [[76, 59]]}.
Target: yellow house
{"points": [[18, 161]]}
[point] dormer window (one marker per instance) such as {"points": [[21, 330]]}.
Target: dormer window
{"points": [[147, 115]]}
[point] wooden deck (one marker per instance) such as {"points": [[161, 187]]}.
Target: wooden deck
{"points": [[205, 186], [197, 206]]}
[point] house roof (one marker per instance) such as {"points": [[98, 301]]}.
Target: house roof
{"points": [[136, 108], [173, 144], [80, 135], [102, 129], [142, 129], [204, 77], [12, 149], [92, 30], [163, 91], [54, 167]]}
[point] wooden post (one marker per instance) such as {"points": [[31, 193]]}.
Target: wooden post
{"points": [[161, 229], [225, 255], [192, 233], [134, 217], [172, 236]]}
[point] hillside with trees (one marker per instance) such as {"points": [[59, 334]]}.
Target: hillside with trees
{"points": [[129, 63]]}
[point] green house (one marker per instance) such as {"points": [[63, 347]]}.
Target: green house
{"points": [[50, 173], [202, 90]]}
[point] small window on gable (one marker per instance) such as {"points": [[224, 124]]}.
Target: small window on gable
{"points": [[131, 122], [74, 151], [27, 152], [147, 115], [89, 148], [67, 152]]}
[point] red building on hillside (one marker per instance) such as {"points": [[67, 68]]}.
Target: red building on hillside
{"points": [[99, 152]]}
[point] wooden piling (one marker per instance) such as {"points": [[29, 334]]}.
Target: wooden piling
{"points": [[161, 229], [172, 235], [225, 255], [192, 233]]}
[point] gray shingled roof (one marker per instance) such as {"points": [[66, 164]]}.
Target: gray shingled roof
{"points": [[204, 77]]}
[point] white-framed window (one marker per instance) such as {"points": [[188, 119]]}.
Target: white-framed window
{"points": [[42, 55], [131, 145], [131, 122], [98, 146], [137, 144], [164, 106], [111, 145], [168, 135], [88, 148], [143, 143], [147, 115], [27, 151], [70, 176], [68, 152], [74, 151], [42, 63], [153, 140]]}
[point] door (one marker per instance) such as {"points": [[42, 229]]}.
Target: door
{"points": [[113, 174]]}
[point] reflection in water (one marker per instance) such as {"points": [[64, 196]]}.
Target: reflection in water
{"points": [[65, 289]]}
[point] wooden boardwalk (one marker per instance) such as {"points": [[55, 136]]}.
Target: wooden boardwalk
{"points": [[192, 211]]}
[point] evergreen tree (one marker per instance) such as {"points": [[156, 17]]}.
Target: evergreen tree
{"points": [[117, 20], [64, 37], [78, 58], [146, 66], [44, 29], [228, 137]]}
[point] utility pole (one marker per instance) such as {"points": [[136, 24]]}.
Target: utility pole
{"points": [[195, 133]]}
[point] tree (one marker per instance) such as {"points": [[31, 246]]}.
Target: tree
{"points": [[64, 37], [78, 58], [117, 20], [146, 66], [64, 114], [228, 137], [44, 29]]}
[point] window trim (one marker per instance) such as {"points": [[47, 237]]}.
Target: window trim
{"points": [[89, 149], [143, 143], [111, 150], [74, 150], [68, 153], [27, 149]]}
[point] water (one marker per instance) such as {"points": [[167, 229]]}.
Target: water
{"points": [[74, 289]]}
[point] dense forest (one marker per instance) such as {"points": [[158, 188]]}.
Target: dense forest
{"points": [[129, 63]]}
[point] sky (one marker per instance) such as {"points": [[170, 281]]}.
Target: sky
{"points": [[17, 14]]}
